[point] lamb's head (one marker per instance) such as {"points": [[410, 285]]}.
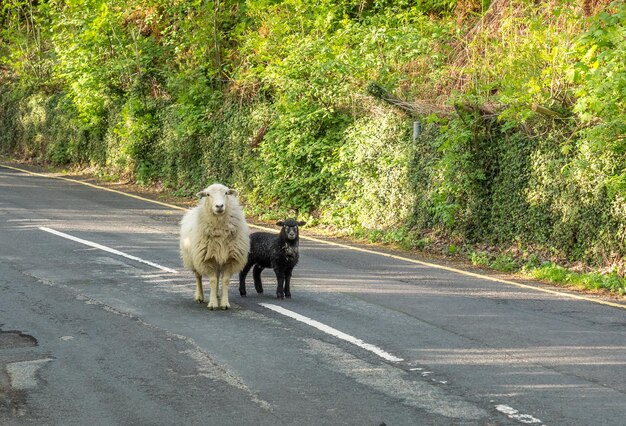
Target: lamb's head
{"points": [[290, 228], [217, 198]]}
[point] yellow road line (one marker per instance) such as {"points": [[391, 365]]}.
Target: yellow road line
{"points": [[345, 246], [49, 176]]}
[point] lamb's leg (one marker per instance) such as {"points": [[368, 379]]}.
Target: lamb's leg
{"points": [[199, 292], [280, 277], [256, 274], [287, 283], [224, 299], [242, 278], [213, 303]]}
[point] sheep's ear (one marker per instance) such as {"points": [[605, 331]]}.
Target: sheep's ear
{"points": [[280, 223], [301, 223], [231, 192], [201, 194]]}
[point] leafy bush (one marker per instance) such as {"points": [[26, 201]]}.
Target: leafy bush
{"points": [[592, 281], [504, 263], [601, 74], [479, 258], [371, 168]]}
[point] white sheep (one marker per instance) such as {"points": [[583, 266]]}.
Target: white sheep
{"points": [[214, 241]]}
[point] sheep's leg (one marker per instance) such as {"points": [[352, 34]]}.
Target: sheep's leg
{"points": [[280, 277], [213, 303], [256, 274], [287, 283], [224, 299], [242, 278], [199, 292]]}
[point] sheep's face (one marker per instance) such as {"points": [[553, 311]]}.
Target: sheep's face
{"points": [[217, 197], [290, 228]]}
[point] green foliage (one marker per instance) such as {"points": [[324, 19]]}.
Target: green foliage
{"points": [[479, 258], [372, 172], [591, 281], [601, 105], [43, 128], [522, 61], [520, 106], [501, 262], [504, 263], [299, 155]]}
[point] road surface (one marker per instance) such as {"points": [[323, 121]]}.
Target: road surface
{"points": [[98, 326]]}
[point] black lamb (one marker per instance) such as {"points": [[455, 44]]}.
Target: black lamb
{"points": [[276, 251]]}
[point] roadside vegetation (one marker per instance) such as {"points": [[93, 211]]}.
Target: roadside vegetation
{"points": [[493, 130]]}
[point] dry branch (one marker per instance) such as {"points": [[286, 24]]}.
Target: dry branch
{"points": [[415, 108]]}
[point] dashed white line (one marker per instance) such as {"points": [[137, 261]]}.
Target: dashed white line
{"points": [[107, 249], [333, 332], [514, 414]]}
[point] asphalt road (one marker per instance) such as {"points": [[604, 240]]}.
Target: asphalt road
{"points": [[89, 337]]}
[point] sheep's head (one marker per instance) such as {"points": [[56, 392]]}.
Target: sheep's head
{"points": [[290, 228], [217, 197]]}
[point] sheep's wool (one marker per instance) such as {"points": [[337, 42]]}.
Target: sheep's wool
{"points": [[213, 244]]}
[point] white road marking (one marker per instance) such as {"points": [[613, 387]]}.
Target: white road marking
{"points": [[333, 332], [107, 249], [515, 415], [23, 373]]}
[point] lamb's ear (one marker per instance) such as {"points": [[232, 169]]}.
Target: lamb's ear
{"points": [[301, 223], [201, 194], [231, 192], [280, 223]]}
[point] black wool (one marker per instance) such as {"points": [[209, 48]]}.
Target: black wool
{"points": [[276, 251]]}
